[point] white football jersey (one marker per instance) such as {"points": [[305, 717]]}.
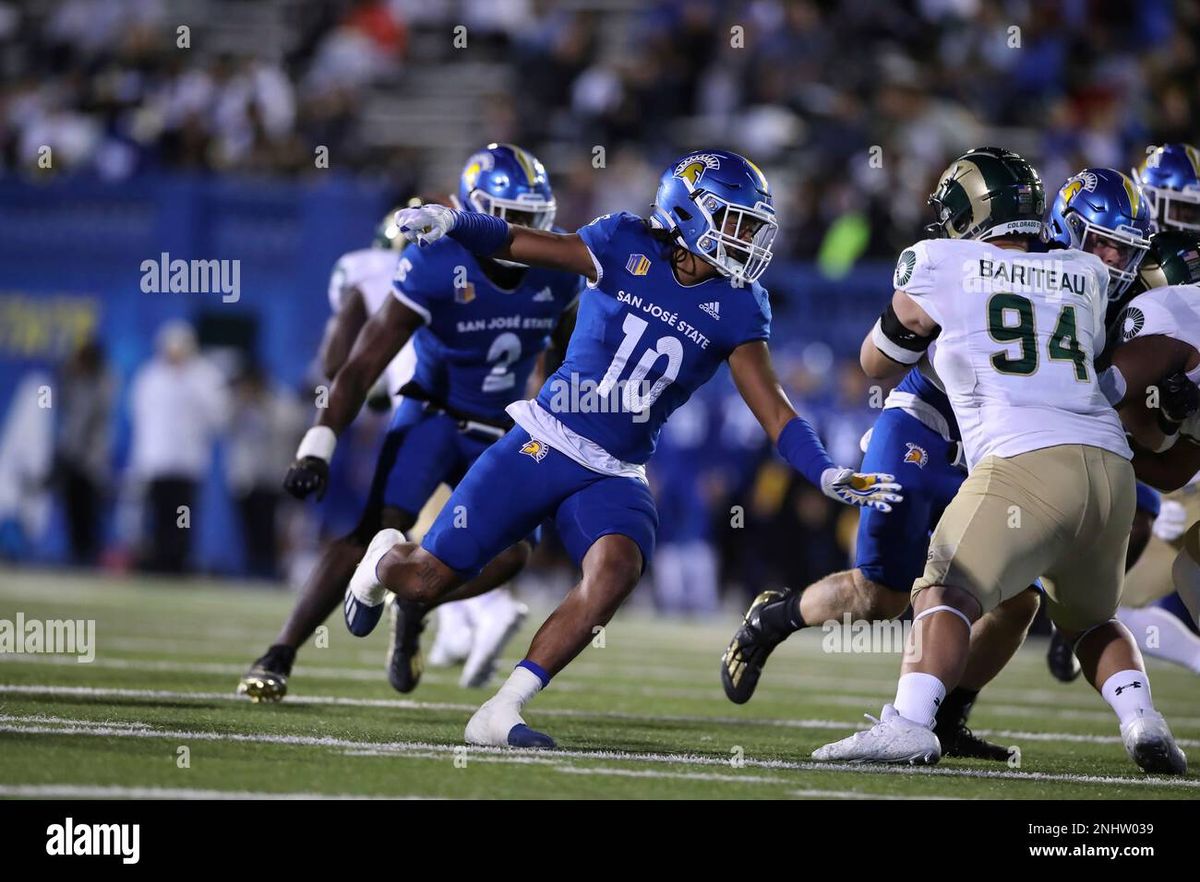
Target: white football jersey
{"points": [[1173, 311], [1018, 335], [371, 271]]}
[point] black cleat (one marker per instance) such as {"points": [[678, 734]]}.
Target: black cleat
{"points": [[752, 644], [405, 661], [1060, 658], [959, 741], [267, 678]]}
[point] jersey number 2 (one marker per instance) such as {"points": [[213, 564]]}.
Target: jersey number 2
{"points": [[1063, 344]]}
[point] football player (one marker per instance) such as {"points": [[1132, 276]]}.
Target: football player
{"points": [[986, 193], [477, 326], [1050, 489], [669, 300]]}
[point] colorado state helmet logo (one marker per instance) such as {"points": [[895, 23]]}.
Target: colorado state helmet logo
{"points": [[536, 449], [916, 454]]}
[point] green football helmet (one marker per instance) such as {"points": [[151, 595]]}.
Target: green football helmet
{"points": [[1173, 259], [387, 234], [985, 193]]}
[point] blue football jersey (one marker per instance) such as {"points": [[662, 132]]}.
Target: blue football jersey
{"points": [[643, 343], [920, 386], [479, 341]]}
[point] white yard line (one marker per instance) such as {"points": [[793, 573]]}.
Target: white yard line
{"points": [[1044, 701], [409, 704], [420, 750]]}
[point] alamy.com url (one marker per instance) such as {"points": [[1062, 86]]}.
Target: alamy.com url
{"points": [[1112, 852]]}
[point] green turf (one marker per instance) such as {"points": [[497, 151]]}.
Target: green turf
{"points": [[644, 716]]}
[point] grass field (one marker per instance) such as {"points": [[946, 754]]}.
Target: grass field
{"points": [[642, 717]]}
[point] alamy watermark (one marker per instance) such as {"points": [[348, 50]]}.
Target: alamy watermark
{"points": [[22, 636], [178, 276]]}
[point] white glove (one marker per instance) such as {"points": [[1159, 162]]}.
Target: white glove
{"points": [[872, 489], [1172, 521], [424, 224]]}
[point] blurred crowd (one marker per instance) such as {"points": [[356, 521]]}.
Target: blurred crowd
{"points": [[853, 107]]}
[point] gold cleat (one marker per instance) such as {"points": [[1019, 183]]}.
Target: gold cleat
{"points": [[260, 684], [267, 678]]}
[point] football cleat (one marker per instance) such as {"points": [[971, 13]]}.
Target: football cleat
{"points": [[893, 739], [493, 630], [1150, 744], [267, 678], [364, 595], [405, 662], [752, 643], [498, 724], [1060, 658], [452, 640], [959, 741]]}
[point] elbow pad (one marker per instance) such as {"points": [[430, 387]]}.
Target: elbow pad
{"points": [[896, 341]]}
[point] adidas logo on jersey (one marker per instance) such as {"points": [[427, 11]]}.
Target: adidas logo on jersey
{"points": [[544, 296], [713, 309]]}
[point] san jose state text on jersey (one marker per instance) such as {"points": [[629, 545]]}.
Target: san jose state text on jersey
{"points": [[641, 328], [480, 341]]}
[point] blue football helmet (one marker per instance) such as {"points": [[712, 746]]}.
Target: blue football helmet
{"points": [[1102, 211], [1170, 178], [510, 183], [718, 206]]}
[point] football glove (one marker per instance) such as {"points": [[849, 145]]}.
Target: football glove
{"points": [[1179, 400], [307, 476], [1172, 521], [425, 224], [873, 490]]}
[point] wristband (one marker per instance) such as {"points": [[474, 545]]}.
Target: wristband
{"points": [[319, 442]]}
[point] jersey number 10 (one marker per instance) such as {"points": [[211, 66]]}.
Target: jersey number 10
{"points": [[632, 399], [1063, 344]]}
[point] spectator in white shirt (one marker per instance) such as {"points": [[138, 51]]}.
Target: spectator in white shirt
{"points": [[179, 402]]}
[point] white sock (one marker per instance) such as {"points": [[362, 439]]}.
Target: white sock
{"points": [[522, 684], [1162, 635], [918, 696], [1128, 693]]}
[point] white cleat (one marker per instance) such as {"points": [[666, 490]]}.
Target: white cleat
{"points": [[363, 606], [498, 723], [493, 629], [1151, 745], [452, 641], [893, 739]]}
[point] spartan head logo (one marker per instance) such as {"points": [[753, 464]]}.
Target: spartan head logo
{"points": [[916, 454], [536, 449], [1083, 181], [692, 168]]}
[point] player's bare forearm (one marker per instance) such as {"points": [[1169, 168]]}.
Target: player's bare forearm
{"points": [[1144, 363], [875, 364], [1170, 470], [377, 343], [754, 376], [561, 251], [340, 333], [904, 330]]}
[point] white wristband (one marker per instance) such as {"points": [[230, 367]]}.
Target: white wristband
{"points": [[319, 441]]}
